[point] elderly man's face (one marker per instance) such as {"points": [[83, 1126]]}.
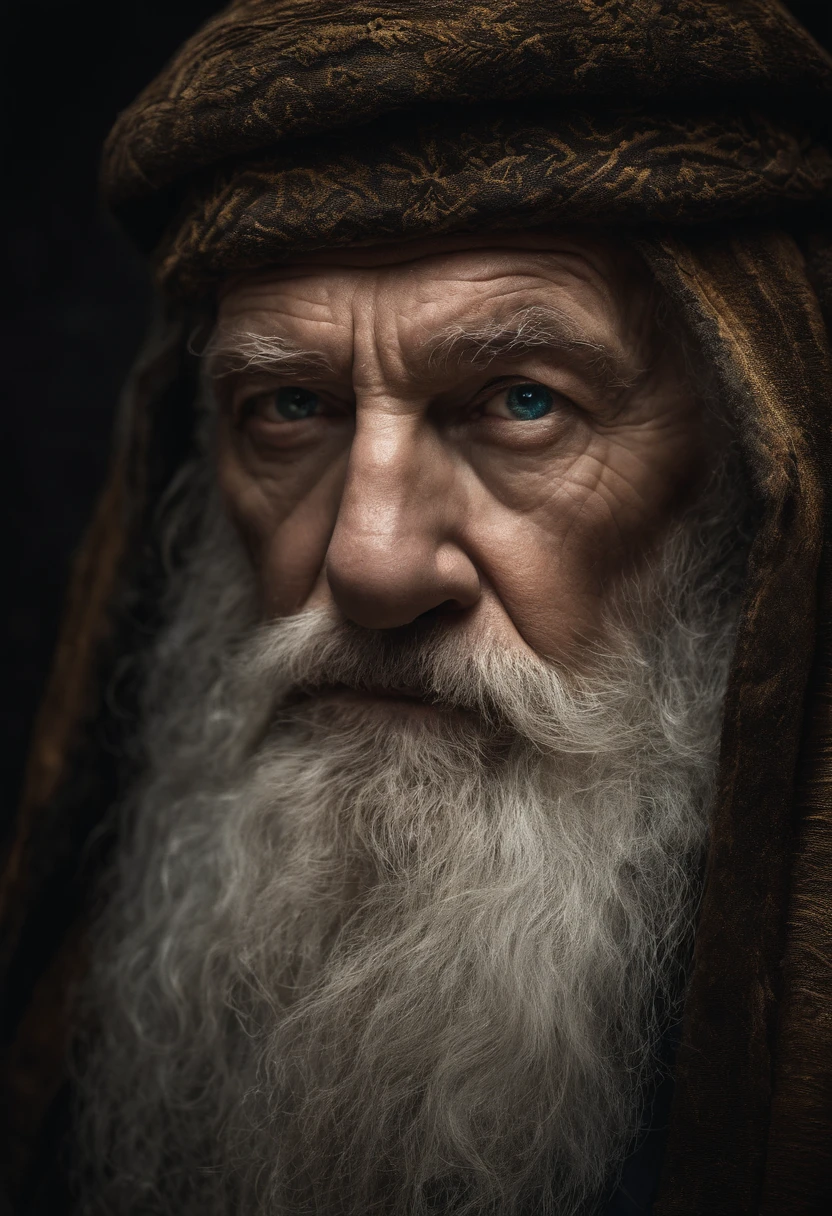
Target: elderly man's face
{"points": [[452, 866], [498, 432]]}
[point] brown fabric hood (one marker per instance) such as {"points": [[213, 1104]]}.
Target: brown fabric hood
{"points": [[689, 125], [295, 125], [267, 71]]}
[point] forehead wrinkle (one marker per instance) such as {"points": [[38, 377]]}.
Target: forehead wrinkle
{"points": [[514, 332], [312, 312]]}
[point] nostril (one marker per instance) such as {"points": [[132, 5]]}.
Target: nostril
{"points": [[441, 610]]}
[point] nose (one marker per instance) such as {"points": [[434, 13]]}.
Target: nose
{"points": [[396, 552]]}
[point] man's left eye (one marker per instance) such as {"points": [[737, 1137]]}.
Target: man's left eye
{"points": [[524, 402]]}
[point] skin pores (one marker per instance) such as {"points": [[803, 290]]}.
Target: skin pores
{"points": [[495, 432]]}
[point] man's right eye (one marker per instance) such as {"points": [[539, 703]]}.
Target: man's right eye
{"points": [[288, 404]]}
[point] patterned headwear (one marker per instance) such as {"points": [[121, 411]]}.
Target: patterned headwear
{"points": [[695, 128], [291, 125]]}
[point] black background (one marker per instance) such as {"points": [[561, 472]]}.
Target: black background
{"points": [[75, 301]]}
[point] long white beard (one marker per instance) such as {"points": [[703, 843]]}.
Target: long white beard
{"points": [[357, 961]]}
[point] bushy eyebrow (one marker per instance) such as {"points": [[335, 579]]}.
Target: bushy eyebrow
{"points": [[524, 332], [237, 353]]}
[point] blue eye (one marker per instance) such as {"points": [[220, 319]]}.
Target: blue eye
{"points": [[529, 401], [295, 403]]}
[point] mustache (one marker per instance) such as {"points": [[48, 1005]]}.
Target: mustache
{"points": [[299, 658], [315, 652]]}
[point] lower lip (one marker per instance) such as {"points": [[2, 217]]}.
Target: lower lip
{"points": [[357, 697], [395, 704]]}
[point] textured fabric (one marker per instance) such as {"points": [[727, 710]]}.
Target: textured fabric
{"points": [[268, 70], [284, 127], [480, 169], [690, 127], [760, 323]]}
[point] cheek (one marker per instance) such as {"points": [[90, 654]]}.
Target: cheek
{"points": [[285, 513], [557, 538]]}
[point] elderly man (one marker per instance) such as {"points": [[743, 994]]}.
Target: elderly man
{"points": [[453, 635]]}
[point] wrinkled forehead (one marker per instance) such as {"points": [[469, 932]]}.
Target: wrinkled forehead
{"points": [[432, 284]]}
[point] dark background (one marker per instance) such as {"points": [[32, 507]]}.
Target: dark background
{"points": [[75, 301]]}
